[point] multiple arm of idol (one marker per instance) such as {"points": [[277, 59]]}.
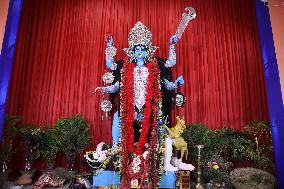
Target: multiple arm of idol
{"points": [[169, 63], [167, 83]]}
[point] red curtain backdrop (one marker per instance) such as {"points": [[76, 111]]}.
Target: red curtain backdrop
{"points": [[59, 59]]}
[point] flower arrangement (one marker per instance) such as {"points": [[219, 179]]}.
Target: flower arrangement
{"points": [[104, 158], [217, 170], [214, 165], [127, 102], [98, 160], [96, 157], [150, 117]]}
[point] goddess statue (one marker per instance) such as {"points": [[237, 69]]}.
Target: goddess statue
{"points": [[143, 83], [140, 82]]}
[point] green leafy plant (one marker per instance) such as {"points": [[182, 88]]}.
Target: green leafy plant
{"points": [[49, 146], [33, 136], [73, 135], [231, 144], [12, 126], [259, 132], [228, 145], [196, 134]]}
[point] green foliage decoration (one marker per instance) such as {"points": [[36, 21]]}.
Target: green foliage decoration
{"points": [[12, 126], [259, 132], [49, 146], [32, 135], [196, 134], [230, 147], [231, 144], [72, 135], [215, 169]]}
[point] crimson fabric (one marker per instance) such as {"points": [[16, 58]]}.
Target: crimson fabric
{"points": [[59, 59]]}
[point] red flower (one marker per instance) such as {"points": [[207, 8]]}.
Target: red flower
{"points": [[149, 121]]}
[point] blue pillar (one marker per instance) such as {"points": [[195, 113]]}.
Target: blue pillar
{"points": [[7, 54], [273, 88]]}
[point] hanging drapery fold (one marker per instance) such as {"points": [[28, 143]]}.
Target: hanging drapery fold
{"points": [[59, 59]]}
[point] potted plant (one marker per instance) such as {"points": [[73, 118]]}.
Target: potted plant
{"points": [[49, 147], [196, 134], [73, 137], [33, 137]]}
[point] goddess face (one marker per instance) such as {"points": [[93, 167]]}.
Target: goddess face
{"points": [[140, 53]]}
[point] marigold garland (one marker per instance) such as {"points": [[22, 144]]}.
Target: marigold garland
{"points": [[149, 121]]}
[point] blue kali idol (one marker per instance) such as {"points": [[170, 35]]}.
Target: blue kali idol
{"points": [[144, 85]]}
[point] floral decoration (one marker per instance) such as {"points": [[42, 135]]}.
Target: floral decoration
{"points": [[108, 78], [106, 106], [134, 170]]}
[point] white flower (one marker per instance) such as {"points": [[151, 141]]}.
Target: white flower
{"points": [[103, 156], [145, 154], [96, 155], [134, 183], [136, 161], [136, 169], [108, 77]]}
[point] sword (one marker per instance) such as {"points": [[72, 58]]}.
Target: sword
{"points": [[188, 15]]}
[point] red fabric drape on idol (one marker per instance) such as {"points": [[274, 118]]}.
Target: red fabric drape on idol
{"points": [[59, 59]]}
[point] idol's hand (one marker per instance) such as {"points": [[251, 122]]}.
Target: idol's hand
{"points": [[173, 40], [110, 41], [99, 90], [179, 80], [110, 53]]}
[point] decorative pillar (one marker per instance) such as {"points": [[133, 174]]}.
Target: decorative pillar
{"points": [[273, 88]]}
